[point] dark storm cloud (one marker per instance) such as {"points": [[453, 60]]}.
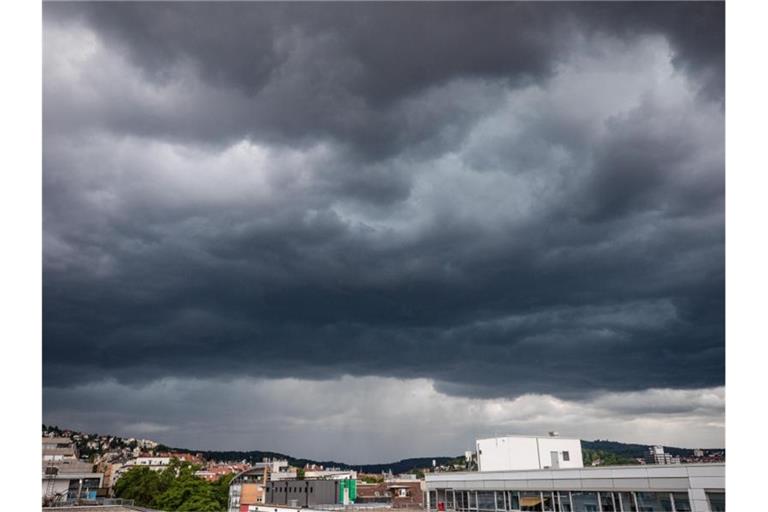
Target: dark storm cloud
{"points": [[299, 72], [505, 198]]}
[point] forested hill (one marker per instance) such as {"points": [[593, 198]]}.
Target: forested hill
{"points": [[631, 450], [251, 456], [609, 453]]}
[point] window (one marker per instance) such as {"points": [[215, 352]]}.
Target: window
{"points": [[548, 502], [472, 500], [627, 501], [513, 500], [682, 503], [530, 501], [564, 497], [585, 501], [500, 505], [458, 499], [716, 501], [606, 502], [485, 500], [566, 456], [654, 502]]}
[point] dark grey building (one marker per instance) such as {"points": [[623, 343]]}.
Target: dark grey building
{"points": [[303, 493]]}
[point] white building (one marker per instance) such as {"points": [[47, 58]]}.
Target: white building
{"points": [[656, 455], [318, 474], [64, 486], [528, 452], [153, 463], [58, 449], [642, 488]]}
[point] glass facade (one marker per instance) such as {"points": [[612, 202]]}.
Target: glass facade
{"points": [[451, 500]]}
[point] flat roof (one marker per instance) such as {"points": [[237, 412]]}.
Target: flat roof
{"points": [[72, 476], [57, 440], [528, 436]]}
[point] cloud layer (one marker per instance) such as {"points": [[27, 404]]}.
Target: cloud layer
{"points": [[505, 200]]}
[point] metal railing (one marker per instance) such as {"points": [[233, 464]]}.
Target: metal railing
{"points": [[74, 502]]}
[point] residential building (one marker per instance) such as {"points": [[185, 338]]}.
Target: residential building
{"points": [[528, 452], [213, 472], [397, 493], [58, 448], [248, 488], [62, 487], [146, 444], [656, 455], [153, 463], [64, 476], [325, 474]]}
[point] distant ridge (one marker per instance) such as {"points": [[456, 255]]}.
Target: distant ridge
{"points": [[622, 452]]}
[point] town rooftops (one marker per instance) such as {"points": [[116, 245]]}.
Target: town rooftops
{"points": [[57, 440]]}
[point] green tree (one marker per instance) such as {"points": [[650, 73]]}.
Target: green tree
{"points": [[176, 489], [221, 490], [201, 504], [140, 484]]}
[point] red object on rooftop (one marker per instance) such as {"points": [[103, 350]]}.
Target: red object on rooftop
{"points": [[441, 506]]}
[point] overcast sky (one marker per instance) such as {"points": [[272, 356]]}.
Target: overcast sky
{"points": [[366, 231]]}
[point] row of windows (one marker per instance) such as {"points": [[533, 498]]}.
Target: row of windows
{"points": [[293, 489], [566, 501]]}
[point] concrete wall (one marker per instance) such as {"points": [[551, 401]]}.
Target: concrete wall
{"points": [[520, 453]]}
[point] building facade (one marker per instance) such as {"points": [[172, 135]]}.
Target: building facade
{"points": [[64, 476], [311, 493], [248, 488], [397, 493], [652, 488], [657, 455], [528, 452]]}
